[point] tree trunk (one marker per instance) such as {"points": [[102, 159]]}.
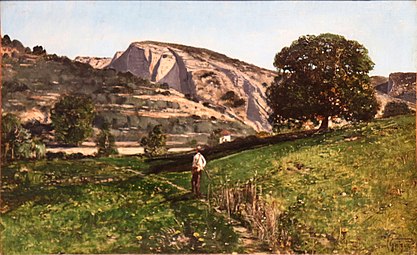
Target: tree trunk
{"points": [[324, 123], [12, 151], [6, 151]]}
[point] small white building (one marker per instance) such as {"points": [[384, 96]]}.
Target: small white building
{"points": [[225, 136]]}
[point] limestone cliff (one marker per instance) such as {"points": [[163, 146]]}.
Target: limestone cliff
{"points": [[203, 75]]}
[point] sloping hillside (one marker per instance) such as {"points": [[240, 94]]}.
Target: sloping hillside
{"points": [[33, 83], [351, 191]]}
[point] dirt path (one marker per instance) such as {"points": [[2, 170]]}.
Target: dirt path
{"points": [[250, 243]]}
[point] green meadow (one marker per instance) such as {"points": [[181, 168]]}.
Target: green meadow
{"points": [[351, 190]]}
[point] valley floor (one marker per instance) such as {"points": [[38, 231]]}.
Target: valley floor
{"points": [[348, 191]]}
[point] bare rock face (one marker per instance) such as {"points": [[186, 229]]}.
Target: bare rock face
{"points": [[98, 63], [204, 76], [397, 85]]}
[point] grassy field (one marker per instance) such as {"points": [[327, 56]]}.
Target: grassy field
{"points": [[348, 191], [105, 206]]}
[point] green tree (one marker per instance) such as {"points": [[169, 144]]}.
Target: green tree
{"points": [[10, 131], [214, 137], [38, 50], [155, 143], [320, 77], [105, 141], [72, 118], [6, 41], [17, 142]]}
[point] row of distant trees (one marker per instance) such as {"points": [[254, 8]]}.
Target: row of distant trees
{"points": [[37, 50]]}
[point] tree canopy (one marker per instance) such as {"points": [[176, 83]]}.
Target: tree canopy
{"points": [[72, 119], [105, 141], [155, 143], [320, 77], [17, 142]]}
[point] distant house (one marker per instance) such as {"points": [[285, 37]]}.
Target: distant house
{"points": [[225, 136]]}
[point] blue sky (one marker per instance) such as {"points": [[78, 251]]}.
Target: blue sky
{"points": [[250, 31]]}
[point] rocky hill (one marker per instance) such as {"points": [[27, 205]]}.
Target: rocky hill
{"points": [[397, 87], [190, 91], [236, 87], [33, 83]]}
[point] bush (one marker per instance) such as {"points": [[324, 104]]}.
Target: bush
{"points": [[38, 50], [72, 118], [229, 96], [233, 99], [17, 142], [164, 85], [5, 41], [106, 142], [238, 102], [395, 108], [214, 137], [207, 74], [18, 45], [192, 143], [155, 143]]}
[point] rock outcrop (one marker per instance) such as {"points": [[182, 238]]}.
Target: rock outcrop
{"points": [[98, 63], [202, 75], [398, 85]]}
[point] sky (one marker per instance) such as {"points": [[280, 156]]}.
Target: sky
{"points": [[252, 31]]}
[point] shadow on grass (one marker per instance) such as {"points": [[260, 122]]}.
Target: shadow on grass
{"points": [[182, 162]]}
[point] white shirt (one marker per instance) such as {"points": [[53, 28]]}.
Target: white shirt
{"points": [[199, 161]]}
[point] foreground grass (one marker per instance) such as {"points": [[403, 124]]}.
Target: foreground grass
{"points": [[352, 190], [105, 206], [348, 191]]}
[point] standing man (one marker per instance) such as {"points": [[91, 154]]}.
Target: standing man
{"points": [[199, 162]]}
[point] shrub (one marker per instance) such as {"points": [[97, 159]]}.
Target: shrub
{"points": [[17, 142], [155, 143], [72, 119], [18, 45], [214, 137], [230, 95], [395, 108], [164, 85], [5, 41], [192, 143], [105, 141], [238, 102], [38, 50]]}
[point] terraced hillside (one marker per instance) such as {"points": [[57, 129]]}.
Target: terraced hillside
{"points": [[33, 83], [236, 87]]}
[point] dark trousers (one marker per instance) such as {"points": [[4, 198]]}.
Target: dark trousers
{"points": [[195, 182]]}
